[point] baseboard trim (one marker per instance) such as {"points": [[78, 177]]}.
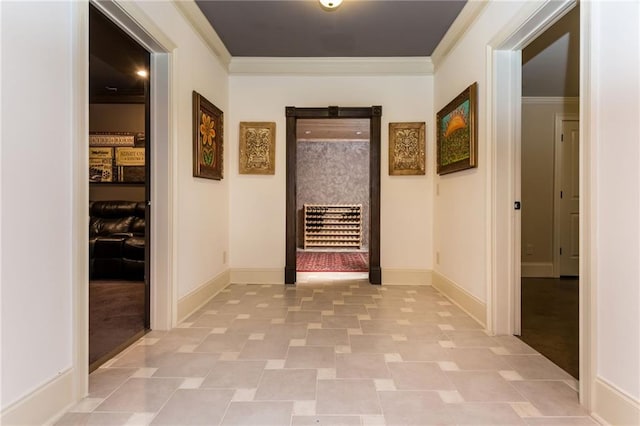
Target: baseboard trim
{"points": [[537, 270], [257, 276], [406, 276], [45, 404], [198, 297], [613, 406], [476, 308]]}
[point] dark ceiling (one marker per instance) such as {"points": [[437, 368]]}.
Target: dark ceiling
{"points": [[114, 58], [358, 28]]}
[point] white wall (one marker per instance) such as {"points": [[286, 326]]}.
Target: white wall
{"points": [[37, 138], [202, 213], [538, 153], [615, 132], [258, 202]]}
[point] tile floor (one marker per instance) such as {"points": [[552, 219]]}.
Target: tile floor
{"points": [[340, 353]]}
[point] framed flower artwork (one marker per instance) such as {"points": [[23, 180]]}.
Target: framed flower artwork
{"points": [[207, 139]]}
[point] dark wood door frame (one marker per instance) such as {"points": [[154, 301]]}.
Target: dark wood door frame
{"points": [[374, 114]]}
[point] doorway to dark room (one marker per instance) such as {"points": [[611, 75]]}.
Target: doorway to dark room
{"points": [[119, 189], [333, 194], [550, 194]]}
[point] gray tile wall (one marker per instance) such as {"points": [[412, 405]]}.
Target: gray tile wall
{"points": [[333, 173]]}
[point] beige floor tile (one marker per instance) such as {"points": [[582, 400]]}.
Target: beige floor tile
{"points": [[103, 381], [419, 376], [340, 321], [185, 365], [361, 366], [350, 310], [297, 384], [327, 337], [93, 419], [551, 398], [358, 300], [514, 345], [470, 338], [423, 351], [258, 413], [484, 414], [248, 326], [303, 317], [373, 344], [227, 342], [268, 348], [388, 326], [478, 359], [234, 374], [287, 331], [214, 320], [326, 421], [317, 305], [347, 397], [414, 408], [140, 395], [484, 386], [561, 421], [194, 407], [536, 367], [311, 357]]}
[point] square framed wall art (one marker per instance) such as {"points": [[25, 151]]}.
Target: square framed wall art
{"points": [[207, 139], [406, 148], [457, 133], [257, 148]]}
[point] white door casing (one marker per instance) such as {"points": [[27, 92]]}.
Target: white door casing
{"points": [[567, 196]]}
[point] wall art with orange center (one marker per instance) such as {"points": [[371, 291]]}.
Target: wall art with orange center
{"points": [[207, 139], [457, 133]]}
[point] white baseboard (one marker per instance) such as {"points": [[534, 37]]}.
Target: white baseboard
{"points": [[613, 407], [45, 404], [537, 270], [476, 308], [198, 297], [257, 276], [406, 276]]}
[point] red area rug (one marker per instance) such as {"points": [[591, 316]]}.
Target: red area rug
{"points": [[332, 262]]}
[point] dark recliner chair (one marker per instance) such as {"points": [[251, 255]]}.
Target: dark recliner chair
{"points": [[117, 240]]}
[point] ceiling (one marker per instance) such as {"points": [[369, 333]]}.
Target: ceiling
{"points": [[358, 28]]}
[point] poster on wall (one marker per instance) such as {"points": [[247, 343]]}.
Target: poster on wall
{"points": [[406, 148], [112, 139], [100, 164], [129, 164], [257, 148], [207, 138]]}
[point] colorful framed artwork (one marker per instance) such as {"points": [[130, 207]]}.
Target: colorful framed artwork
{"points": [[406, 148], [207, 139], [457, 133], [257, 148]]}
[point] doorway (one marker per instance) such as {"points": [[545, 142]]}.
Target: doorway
{"points": [[308, 227], [119, 189], [550, 173]]}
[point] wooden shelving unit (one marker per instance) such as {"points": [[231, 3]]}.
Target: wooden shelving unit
{"points": [[333, 225]]}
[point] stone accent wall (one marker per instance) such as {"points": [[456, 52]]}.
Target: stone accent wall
{"points": [[333, 173]]}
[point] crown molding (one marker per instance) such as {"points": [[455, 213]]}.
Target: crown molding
{"points": [[467, 16], [192, 13], [331, 66]]}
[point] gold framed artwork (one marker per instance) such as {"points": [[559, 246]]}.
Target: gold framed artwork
{"points": [[457, 133], [407, 148], [207, 139], [257, 148]]}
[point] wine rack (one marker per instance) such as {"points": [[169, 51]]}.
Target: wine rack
{"points": [[333, 225]]}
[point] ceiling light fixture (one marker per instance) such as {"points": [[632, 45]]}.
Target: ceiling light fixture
{"points": [[330, 4], [142, 73]]}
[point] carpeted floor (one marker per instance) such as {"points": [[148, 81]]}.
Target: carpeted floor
{"points": [[116, 315], [322, 261], [550, 320]]}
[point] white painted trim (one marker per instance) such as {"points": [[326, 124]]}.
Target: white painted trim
{"points": [[556, 100], [465, 19], [200, 24], [45, 404], [466, 301], [406, 276], [80, 203], [331, 66], [257, 276], [612, 406], [200, 296], [537, 270], [557, 184]]}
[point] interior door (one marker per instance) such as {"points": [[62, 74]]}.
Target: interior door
{"points": [[568, 206]]}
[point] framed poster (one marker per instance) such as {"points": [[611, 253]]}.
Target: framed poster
{"points": [[257, 148], [406, 148], [207, 139]]}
